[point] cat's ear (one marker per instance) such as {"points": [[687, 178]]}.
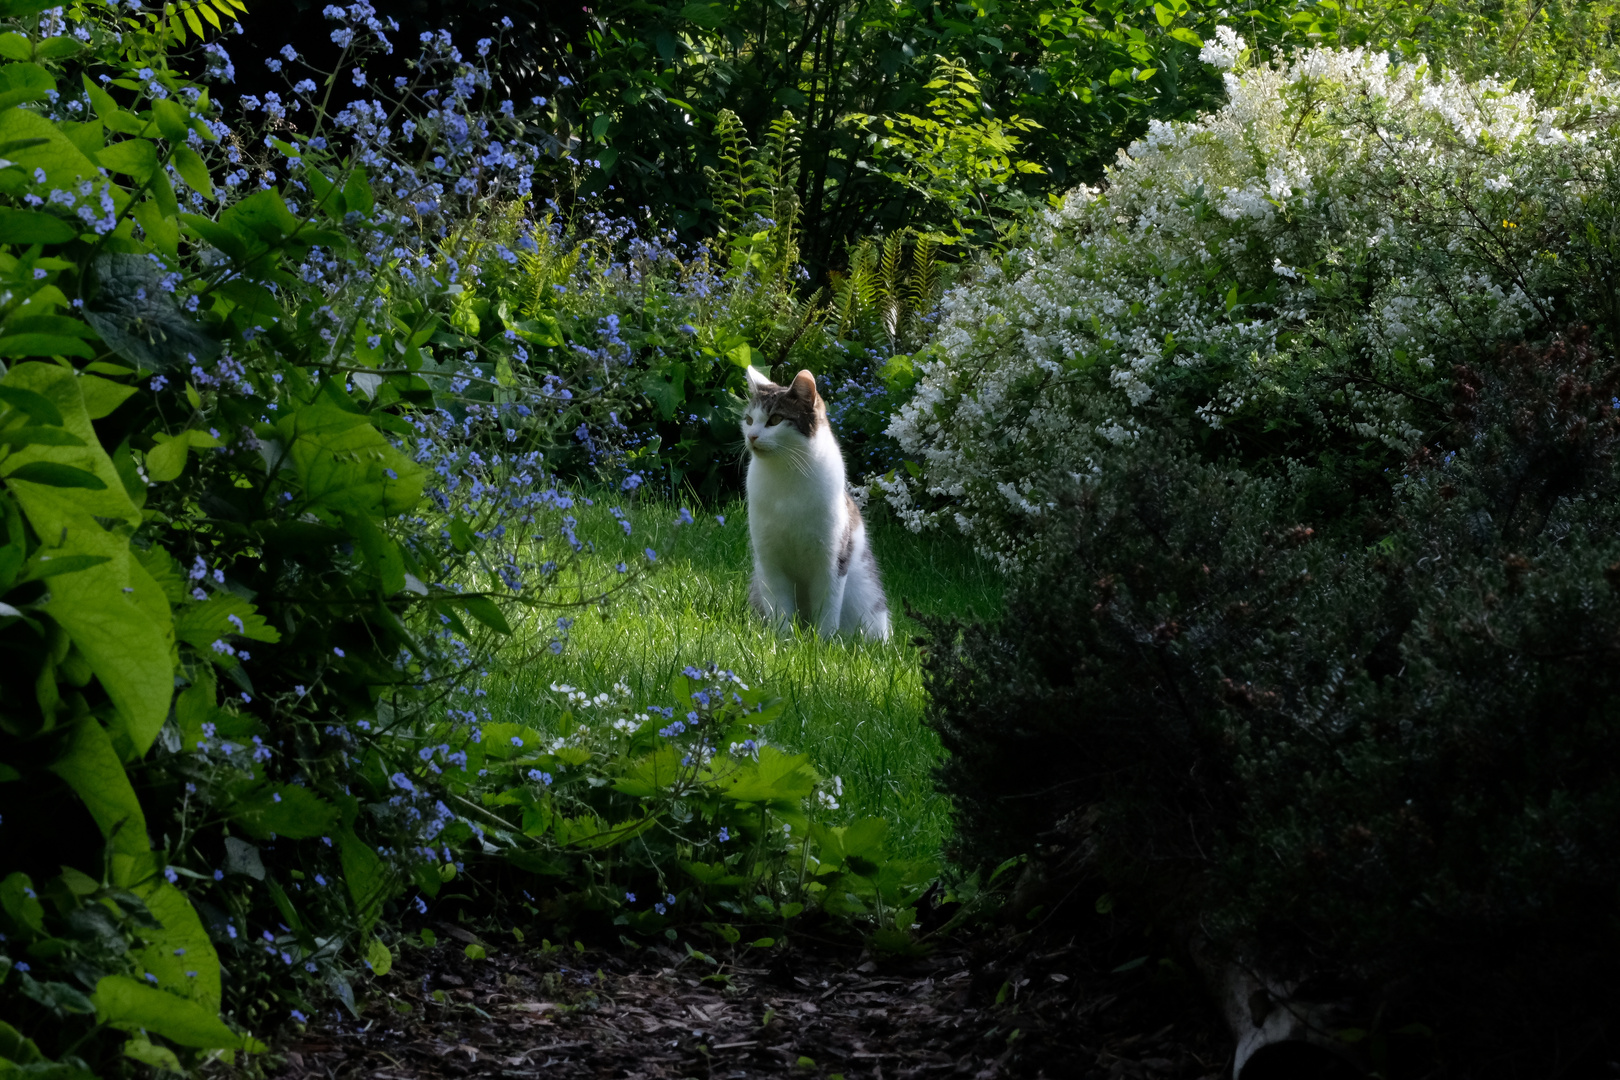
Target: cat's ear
{"points": [[804, 386], [756, 381]]}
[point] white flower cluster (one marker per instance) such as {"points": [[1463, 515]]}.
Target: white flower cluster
{"points": [[1216, 255], [584, 699]]}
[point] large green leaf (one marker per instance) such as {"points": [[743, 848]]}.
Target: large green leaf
{"points": [[365, 874], [263, 215], [36, 406], [344, 463], [92, 769], [487, 612], [180, 954], [113, 610], [102, 396], [129, 1005], [189, 164], [59, 387], [200, 625], [265, 811], [381, 552], [651, 774], [54, 474], [139, 320], [132, 157], [49, 149], [33, 227], [19, 901], [23, 82], [776, 777], [167, 460]]}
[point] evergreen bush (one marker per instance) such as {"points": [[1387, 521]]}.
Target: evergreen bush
{"points": [[1372, 751]]}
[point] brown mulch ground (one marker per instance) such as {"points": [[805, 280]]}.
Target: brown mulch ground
{"points": [[524, 1012]]}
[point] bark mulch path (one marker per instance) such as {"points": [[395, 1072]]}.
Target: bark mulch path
{"points": [[522, 1012]]}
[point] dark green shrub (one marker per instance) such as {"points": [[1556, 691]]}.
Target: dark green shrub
{"points": [[1377, 746]]}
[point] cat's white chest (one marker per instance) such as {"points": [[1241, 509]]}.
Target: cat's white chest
{"points": [[793, 519]]}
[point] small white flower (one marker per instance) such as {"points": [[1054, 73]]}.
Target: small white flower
{"points": [[1225, 50]]}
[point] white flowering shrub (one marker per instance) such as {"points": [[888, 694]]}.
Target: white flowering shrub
{"points": [[1292, 275]]}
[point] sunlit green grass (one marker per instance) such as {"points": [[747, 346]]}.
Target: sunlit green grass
{"points": [[855, 707]]}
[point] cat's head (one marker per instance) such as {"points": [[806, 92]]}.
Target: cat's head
{"points": [[778, 416]]}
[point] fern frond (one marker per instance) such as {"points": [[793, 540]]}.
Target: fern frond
{"points": [[890, 285], [735, 192]]}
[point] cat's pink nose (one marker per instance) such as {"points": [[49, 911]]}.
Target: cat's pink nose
{"points": [[752, 439]]}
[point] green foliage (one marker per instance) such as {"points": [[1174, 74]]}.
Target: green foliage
{"points": [[854, 708], [274, 500], [1550, 48], [952, 154], [639, 345], [203, 486], [681, 814], [1364, 740], [653, 77]]}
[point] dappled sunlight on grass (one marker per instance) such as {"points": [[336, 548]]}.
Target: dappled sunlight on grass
{"points": [[854, 706]]}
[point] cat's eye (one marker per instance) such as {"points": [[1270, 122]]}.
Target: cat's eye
{"points": [[749, 419], [773, 421]]}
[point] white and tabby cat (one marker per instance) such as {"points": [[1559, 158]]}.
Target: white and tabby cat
{"points": [[811, 556]]}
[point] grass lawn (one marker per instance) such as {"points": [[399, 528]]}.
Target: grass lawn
{"points": [[855, 707]]}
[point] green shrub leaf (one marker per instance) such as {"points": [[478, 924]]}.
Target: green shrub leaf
{"points": [[129, 1005], [25, 227], [54, 474]]}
